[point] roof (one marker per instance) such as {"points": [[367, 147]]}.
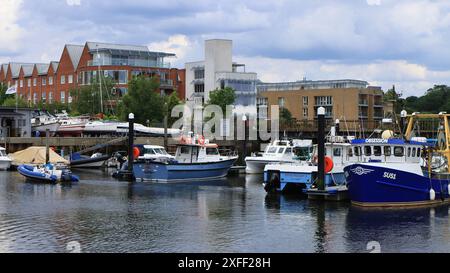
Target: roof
{"points": [[5, 69], [129, 50], [15, 68], [75, 52], [28, 70], [42, 69], [54, 65]]}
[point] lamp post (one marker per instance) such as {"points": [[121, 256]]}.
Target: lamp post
{"points": [[244, 150], [403, 116], [130, 143], [321, 149]]}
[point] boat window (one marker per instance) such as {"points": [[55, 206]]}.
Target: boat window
{"points": [[358, 151], [272, 150], [350, 152], [2, 154], [212, 151], [161, 151], [149, 152], [419, 152], [289, 151], [368, 150], [399, 151], [409, 152], [337, 152], [387, 150], [414, 152], [281, 150], [377, 151], [185, 150]]}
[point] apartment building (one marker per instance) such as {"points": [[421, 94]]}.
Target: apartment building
{"points": [[79, 65], [218, 71], [350, 100]]}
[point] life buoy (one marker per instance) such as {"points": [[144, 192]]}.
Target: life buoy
{"points": [[136, 152], [329, 164], [201, 140]]}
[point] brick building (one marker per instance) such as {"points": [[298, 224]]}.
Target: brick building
{"points": [[79, 65]]}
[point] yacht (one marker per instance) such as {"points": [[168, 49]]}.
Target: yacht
{"points": [[5, 160], [280, 151], [42, 121]]}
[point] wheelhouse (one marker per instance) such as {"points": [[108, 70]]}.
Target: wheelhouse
{"points": [[198, 153]]}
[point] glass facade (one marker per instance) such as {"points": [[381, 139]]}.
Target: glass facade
{"points": [[105, 58], [245, 91]]}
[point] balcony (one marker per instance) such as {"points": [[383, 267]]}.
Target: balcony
{"points": [[133, 63], [166, 84]]}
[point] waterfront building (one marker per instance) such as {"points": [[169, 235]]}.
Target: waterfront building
{"points": [[218, 71], [350, 100], [15, 122], [80, 64]]}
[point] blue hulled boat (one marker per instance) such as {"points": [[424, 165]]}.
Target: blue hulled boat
{"points": [[194, 161], [395, 172], [46, 174]]}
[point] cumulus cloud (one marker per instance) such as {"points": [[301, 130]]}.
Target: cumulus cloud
{"points": [[10, 31]]}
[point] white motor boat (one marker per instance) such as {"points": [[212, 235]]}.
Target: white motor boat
{"points": [[43, 121], [5, 160], [95, 128], [280, 151]]}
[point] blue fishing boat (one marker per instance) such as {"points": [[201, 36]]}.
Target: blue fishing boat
{"points": [[194, 161], [395, 172], [46, 174]]}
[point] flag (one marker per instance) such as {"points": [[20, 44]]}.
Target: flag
{"points": [[11, 90]]}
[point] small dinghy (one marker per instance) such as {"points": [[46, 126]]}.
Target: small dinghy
{"points": [[46, 174]]}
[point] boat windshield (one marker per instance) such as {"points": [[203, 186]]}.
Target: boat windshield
{"points": [[161, 151], [149, 152], [272, 150], [2, 153]]}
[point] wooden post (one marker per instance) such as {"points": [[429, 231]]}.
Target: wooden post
{"points": [[321, 149], [47, 146], [166, 124]]}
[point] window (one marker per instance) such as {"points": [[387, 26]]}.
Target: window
{"points": [[50, 80], [70, 78], [63, 79], [212, 151], [50, 97], [387, 151], [324, 101], [377, 151], [185, 150], [305, 101], [63, 97], [199, 88], [281, 102], [337, 152], [414, 152], [305, 112], [44, 96], [357, 151], [199, 74], [418, 152], [281, 150], [350, 152], [34, 82], [34, 98], [21, 83], [29, 82], [368, 150], [272, 150], [399, 151], [289, 151], [44, 81], [409, 152]]}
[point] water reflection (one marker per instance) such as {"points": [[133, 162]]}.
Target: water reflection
{"points": [[231, 215]]}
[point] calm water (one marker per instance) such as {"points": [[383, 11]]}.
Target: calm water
{"points": [[233, 215]]}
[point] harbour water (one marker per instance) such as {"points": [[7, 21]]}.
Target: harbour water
{"points": [[231, 215]]}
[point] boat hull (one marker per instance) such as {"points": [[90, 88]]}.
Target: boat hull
{"points": [[96, 162], [71, 130], [376, 186], [257, 165], [176, 172], [29, 174], [53, 128], [5, 164]]}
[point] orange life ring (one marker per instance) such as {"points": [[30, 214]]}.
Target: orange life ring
{"points": [[136, 152], [329, 164]]}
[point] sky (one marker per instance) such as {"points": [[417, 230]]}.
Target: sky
{"points": [[385, 42]]}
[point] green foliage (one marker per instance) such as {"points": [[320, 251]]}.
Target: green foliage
{"points": [[286, 118], [12, 102], [3, 96], [55, 107], [143, 101], [87, 99], [436, 99], [172, 101], [222, 98]]}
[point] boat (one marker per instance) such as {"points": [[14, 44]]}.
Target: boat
{"points": [[279, 151], [113, 128], [36, 156], [97, 160], [42, 121], [5, 160], [71, 126], [46, 174], [302, 176], [401, 172], [195, 160]]}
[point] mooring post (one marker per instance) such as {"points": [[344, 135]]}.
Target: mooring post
{"points": [[47, 146], [321, 149], [403, 116], [130, 144], [166, 125]]}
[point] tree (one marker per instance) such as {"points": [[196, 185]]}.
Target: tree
{"points": [[392, 96], [3, 96], [436, 99], [222, 98], [13, 102], [286, 118], [143, 101], [87, 99]]}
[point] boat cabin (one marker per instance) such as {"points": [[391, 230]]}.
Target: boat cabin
{"points": [[153, 152], [386, 151], [193, 153], [338, 152]]}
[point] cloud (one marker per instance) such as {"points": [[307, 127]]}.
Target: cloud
{"points": [[73, 2], [10, 31]]}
